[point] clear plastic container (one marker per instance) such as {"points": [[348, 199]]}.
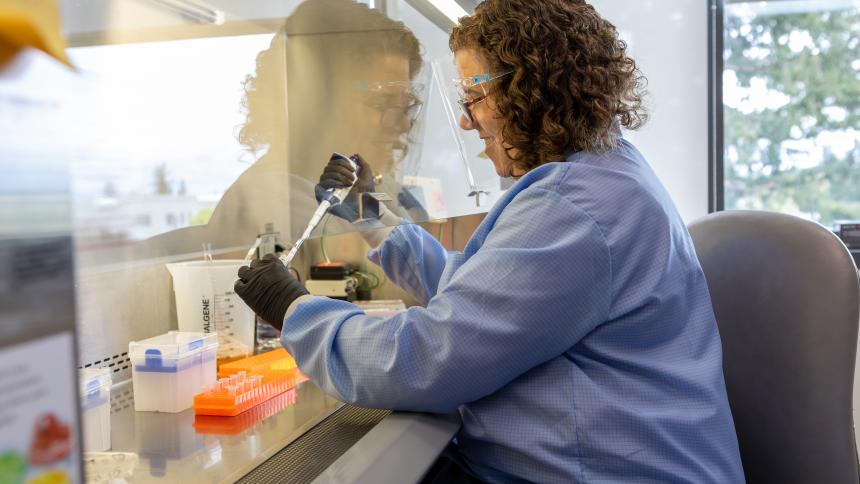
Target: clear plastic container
{"points": [[168, 370], [94, 389], [205, 302]]}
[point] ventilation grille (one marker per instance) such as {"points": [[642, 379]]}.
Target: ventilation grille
{"points": [[121, 400], [119, 365], [308, 456]]}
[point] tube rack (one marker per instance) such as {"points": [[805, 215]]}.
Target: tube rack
{"points": [[239, 392]]}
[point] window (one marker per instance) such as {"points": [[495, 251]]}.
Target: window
{"points": [[791, 108]]}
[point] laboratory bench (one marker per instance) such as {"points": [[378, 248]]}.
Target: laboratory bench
{"points": [[302, 435]]}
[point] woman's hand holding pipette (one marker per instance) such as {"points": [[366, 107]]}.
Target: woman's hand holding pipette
{"points": [[339, 173], [268, 288]]}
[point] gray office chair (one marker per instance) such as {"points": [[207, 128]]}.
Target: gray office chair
{"points": [[787, 301]]}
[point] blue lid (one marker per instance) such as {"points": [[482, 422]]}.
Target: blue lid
{"points": [[171, 346], [154, 363], [94, 387]]}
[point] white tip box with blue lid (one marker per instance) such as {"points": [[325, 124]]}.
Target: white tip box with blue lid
{"points": [[95, 408], [169, 369]]}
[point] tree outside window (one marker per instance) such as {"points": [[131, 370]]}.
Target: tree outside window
{"points": [[792, 108]]}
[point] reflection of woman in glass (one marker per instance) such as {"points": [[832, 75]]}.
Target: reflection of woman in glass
{"points": [[339, 78]]}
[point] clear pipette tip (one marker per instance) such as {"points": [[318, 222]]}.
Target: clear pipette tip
{"points": [[315, 220], [250, 255]]}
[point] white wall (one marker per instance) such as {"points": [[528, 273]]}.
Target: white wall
{"points": [[669, 41]]}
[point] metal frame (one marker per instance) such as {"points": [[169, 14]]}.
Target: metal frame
{"points": [[434, 15], [716, 129], [716, 135], [401, 448], [426, 9], [469, 5]]}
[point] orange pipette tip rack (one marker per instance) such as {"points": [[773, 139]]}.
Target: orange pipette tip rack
{"points": [[219, 425], [239, 392], [277, 359]]}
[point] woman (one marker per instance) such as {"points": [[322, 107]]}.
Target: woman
{"points": [[575, 332], [349, 73]]}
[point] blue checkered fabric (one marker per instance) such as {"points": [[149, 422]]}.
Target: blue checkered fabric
{"points": [[574, 333]]}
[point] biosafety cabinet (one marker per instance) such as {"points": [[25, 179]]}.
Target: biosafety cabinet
{"points": [[185, 131]]}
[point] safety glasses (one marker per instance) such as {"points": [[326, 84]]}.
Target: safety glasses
{"points": [[467, 88], [393, 100]]}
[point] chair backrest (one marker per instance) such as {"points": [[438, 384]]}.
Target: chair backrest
{"points": [[787, 301]]}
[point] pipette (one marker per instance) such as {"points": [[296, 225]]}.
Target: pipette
{"points": [[332, 197]]}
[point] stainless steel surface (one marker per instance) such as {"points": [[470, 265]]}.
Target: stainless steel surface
{"points": [[177, 448], [400, 449], [305, 459]]}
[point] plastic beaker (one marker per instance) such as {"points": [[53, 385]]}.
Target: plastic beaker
{"points": [[205, 302]]}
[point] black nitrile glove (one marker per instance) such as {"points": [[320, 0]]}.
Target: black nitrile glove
{"points": [[268, 288], [338, 174]]}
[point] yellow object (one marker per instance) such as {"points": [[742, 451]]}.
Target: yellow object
{"points": [[51, 477], [31, 23]]}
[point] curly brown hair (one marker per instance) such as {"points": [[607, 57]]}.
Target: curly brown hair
{"points": [[573, 83]]}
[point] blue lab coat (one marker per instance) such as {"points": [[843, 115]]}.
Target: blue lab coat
{"points": [[574, 334]]}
